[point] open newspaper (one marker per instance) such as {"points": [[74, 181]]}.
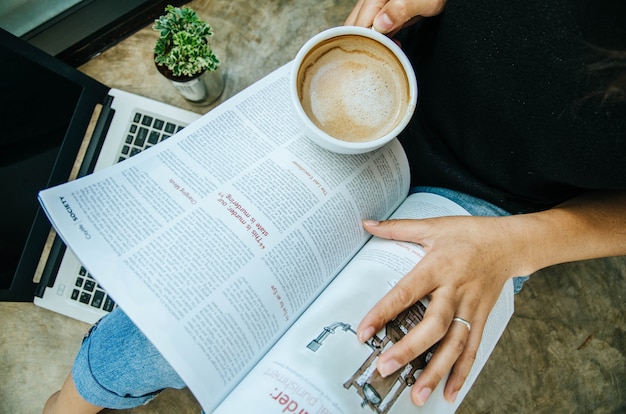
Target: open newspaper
{"points": [[236, 246]]}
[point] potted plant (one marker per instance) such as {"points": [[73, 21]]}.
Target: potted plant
{"points": [[183, 54]]}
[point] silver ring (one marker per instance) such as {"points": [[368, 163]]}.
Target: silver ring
{"points": [[463, 321]]}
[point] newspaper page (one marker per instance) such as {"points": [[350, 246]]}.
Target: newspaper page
{"points": [[214, 241], [319, 366]]}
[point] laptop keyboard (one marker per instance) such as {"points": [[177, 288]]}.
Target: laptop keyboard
{"points": [[144, 131], [87, 291]]}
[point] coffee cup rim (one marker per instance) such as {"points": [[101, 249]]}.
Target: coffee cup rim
{"points": [[328, 141]]}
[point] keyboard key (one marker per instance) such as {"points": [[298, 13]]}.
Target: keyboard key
{"points": [[79, 282], [75, 294], [170, 128], [140, 139], [97, 299], [90, 285], [108, 304], [154, 137], [146, 120], [137, 117], [158, 124], [85, 298]]}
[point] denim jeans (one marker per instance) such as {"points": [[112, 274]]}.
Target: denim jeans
{"points": [[117, 366]]}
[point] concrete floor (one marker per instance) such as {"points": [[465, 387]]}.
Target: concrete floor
{"points": [[563, 352]]}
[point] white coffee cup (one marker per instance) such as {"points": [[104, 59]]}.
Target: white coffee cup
{"points": [[353, 89]]}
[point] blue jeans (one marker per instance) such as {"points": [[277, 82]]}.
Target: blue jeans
{"points": [[117, 366]]}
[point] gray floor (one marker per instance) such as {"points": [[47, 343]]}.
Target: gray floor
{"points": [[563, 352]]}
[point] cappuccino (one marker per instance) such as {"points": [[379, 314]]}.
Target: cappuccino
{"points": [[353, 88]]}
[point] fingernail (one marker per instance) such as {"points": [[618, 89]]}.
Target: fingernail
{"points": [[423, 395], [453, 396], [383, 23], [371, 222], [366, 334], [388, 367]]}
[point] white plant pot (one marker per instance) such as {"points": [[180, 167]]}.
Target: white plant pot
{"points": [[203, 90]]}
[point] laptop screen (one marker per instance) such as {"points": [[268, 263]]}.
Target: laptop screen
{"points": [[43, 124]]}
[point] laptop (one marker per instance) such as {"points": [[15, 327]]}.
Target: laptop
{"points": [[57, 124]]}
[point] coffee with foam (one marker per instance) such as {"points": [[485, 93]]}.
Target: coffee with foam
{"points": [[353, 88]]}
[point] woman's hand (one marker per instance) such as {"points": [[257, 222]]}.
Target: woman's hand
{"points": [[467, 262], [392, 15]]}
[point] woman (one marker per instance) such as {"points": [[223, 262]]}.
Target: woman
{"points": [[521, 111], [519, 107]]}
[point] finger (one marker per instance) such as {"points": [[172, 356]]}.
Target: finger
{"points": [[397, 13], [400, 297], [351, 19], [464, 364], [415, 285], [403, 294], [364, 12], [425, 334], [446, 355], [405, 230]]}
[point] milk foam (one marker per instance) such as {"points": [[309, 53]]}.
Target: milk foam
{"points": [[358, 91]]}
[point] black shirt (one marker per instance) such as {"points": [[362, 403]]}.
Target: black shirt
{"points": [[508, 103]]}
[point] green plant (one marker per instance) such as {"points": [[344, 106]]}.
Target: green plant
{"points": [[183, 46]]}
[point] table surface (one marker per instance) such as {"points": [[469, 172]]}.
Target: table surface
{"points": [[564, 350]]}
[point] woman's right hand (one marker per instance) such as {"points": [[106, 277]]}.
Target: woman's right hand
{"points": [[389, 16]]}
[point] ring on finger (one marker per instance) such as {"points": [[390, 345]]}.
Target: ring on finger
{"points": [[463, 321]]}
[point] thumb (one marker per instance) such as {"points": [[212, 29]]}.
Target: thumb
{"points": [[397, 13]]}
